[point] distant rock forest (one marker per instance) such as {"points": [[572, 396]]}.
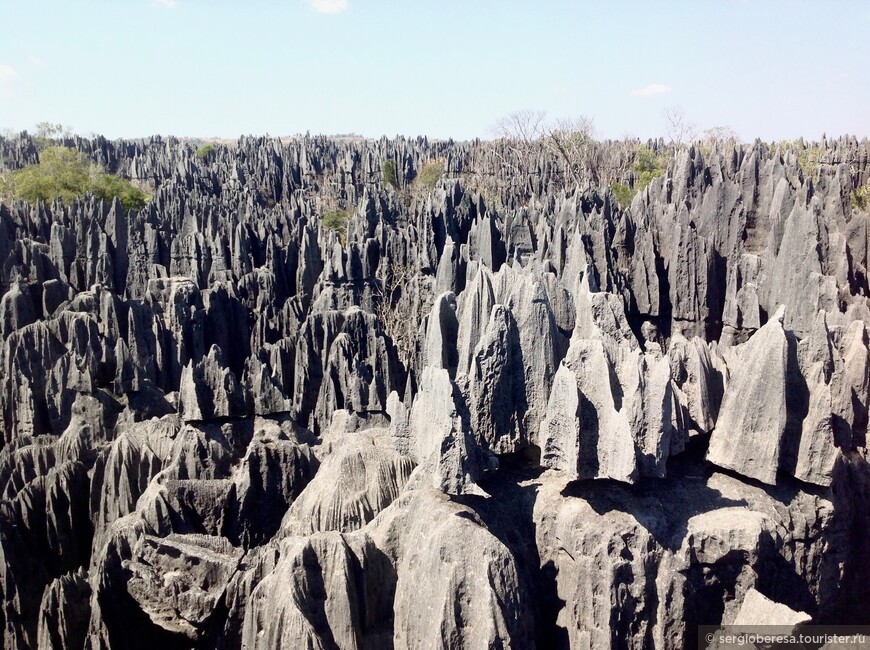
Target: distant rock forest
{"points": [[541, 391]]}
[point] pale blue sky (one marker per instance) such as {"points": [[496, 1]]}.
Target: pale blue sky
{"points": [[202, 68]]}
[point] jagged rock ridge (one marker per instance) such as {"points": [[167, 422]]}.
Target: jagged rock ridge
{"points": [[498, 412]]}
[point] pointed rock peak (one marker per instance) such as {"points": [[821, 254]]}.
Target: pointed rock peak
{"points": [[818, 343], [441, 333], [216, 355], [440, 438], [600, 314], [778, 315]]}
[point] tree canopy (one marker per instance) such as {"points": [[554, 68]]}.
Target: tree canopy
{"points": [[64, 173]]}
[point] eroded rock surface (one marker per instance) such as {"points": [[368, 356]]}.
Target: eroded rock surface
{"points": [[500, 412]]}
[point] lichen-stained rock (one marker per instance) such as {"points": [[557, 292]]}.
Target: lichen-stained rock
{"points": [[752, 419], [209, 390]]}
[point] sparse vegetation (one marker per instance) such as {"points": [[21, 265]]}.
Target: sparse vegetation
{"points": [[206, 152], [64, 173], [388, 173], [430, 173], [678, 128], [623, 193], [523, 136], [860, 198], [647, 166], [48, 134], [336, 221], [394, 307], [107, 187], [809, 157]]}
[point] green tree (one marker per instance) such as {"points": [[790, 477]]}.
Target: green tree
{"points": [[388, 173], [48, 133], [860, 198], [623, 193], [64, 173], [107, 186], [336, 220], [647, 166], [430, 173], [206, 151]]}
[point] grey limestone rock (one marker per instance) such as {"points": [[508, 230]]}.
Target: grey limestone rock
{"points": [[16, 311], [310, 598], [749, 430], [611, 411], [178, 580], [757, 609], [440, 437], [496, 386], [353, 484], [456, 584], [484, 414], [209, 390], [64, 612]]}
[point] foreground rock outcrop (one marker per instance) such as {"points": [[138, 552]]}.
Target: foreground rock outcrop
{"points": [[497, 411]]}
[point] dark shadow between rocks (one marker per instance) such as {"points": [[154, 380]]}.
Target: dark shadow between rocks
{"points": [[508, 515], [661, 505]]}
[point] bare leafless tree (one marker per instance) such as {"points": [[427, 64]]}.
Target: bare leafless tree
{"points": [[573, 141], [518, 139], [720, 133], [397, 317], [523, 127], [678, 128]]}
